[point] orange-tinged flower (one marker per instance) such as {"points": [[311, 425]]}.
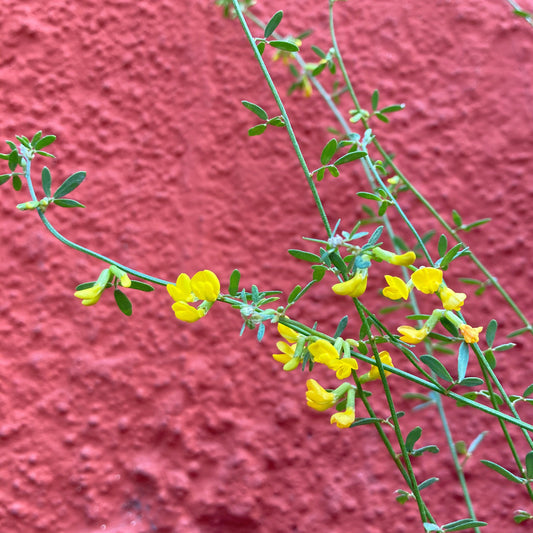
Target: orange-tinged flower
{"points": [[427, 280], [344, 419], [412, 335], [318, 398], [469, 333], [397, 288], [451, 300], [354, 287], [406, 259]]}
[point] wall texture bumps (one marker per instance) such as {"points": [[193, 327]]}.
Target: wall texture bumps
{"points": [[146, 424]]}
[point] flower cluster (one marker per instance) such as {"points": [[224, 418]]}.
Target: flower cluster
{"points": [[356, 285], [430, 280], [204, 285], [293, 352]]}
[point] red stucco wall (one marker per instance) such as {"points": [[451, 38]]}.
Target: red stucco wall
{"points": [[146, 424]]}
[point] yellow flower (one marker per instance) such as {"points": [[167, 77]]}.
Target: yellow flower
{"points": [[205, 285], [125, 281], [287, 352], [427, 280], [397, 288], [181, 291], [469, 333], [385, 358], [91, 295], [318, 398], [287, 333], [323, 352], [406, 259], [412, 335], [343, 367], [451, 300], [353, 287], [186, 312], [344, 419]]}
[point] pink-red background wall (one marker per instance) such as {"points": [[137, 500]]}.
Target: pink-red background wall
{"points": [[147, 424]]}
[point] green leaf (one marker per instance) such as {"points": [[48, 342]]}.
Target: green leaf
{"points": [[254, 108], [70, 184], [341, 327], [85, 285], [375, 236], [381, 117], [24, 140], [529, 465], [46, 180], [35, 138], [528, 391], [320, 173], [318, 272], [392, 108], [140, 286], [123, 302], [261, 47], [413, 436], [278, 122], [476, 442], [475, 224], [465, 523], [447, 259], [428, 482], [350, 156], [318, 52], [333, 170], [490, 333], [304, 256], [502, 471], [462, 360], [13, 160], [457, 218], [67, 202], [443, 245], [436, 366], [257, 130], [503, 347], [17, 183], [365, 421], [273, 23], [286, 46], [471, 382], [419, 451], [328, 151], [44, 141], [4, 178], [234, 279], [294, 293], [375, 100], [369, 196], [46, 154]]}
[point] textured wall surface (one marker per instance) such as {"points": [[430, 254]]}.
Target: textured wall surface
{"points": [[147, 424]]}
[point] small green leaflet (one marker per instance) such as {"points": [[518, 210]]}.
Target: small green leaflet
{"points": [[286, 46], [70, 184], [273, 23], [254, 108], [123, 302], [46, 180]]}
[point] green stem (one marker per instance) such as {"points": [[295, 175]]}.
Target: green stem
{"points": [[394, 415], [57, 235], [283, 112], [383, 436]]}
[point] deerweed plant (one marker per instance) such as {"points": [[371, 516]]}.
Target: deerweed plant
{"points": [[345, 255]]}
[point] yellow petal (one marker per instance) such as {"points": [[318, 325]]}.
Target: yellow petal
{"points": [[186, 312], [287, 333], [181, 291], [469, 333], [354, 287], [451, 300], [205, 285], [427, 280], [412, 335], [343, 419], [323, 352], [397, 288], [405, 259]]}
